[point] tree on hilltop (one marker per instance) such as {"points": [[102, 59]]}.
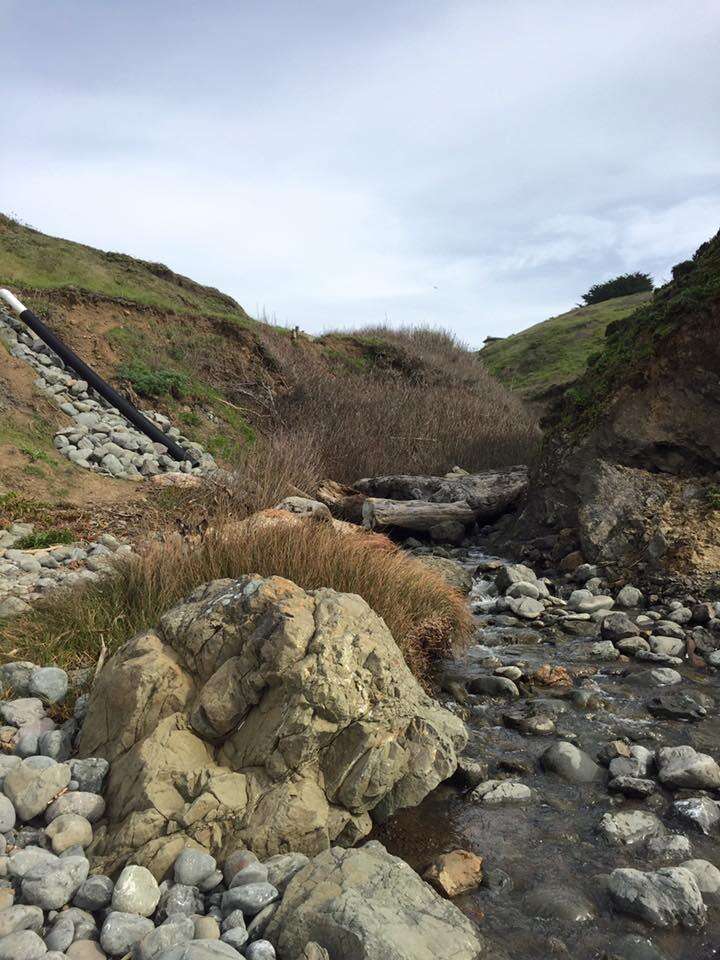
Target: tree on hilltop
{"points": [[620, 286]]}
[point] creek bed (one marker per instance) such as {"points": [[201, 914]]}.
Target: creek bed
{"points": [[543, 892]]}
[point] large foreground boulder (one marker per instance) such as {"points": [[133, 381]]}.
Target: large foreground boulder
{"points": [[259, 714], [368, 905]]}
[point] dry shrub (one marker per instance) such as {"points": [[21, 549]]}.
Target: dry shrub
{"points": [[414, 401], [426, 616]]}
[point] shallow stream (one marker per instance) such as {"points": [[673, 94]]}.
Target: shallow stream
{"points": [[543, 892]]}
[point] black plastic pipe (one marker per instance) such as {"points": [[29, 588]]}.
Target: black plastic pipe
{"points": [[127, 409]]}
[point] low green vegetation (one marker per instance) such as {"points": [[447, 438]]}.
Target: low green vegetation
{"points": [[713, 497], [551, 354], [152, 384], [621, 286], [44, 538]]}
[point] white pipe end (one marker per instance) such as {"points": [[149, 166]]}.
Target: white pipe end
{"points": [[12, 301]]}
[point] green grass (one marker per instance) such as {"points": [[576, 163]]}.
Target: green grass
{"points": [[30, 259], [555, 352], [153, 383], [44, 538]]}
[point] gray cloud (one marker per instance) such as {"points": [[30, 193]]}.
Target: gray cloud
{"points": [[473, 164]]}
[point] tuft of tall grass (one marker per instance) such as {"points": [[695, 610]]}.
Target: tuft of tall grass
{"points": [[427, 617]]}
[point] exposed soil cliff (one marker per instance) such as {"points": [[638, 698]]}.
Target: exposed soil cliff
{"points": [[631, 464]]}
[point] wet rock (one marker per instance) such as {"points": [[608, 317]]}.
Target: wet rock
{"points": [[526, 720], [513, 573], [629, 597], [675, 705], [550, 676], [493, 793], [472, 771], [572, 764], [707, 875], [631, 827], [493, 686], [668, 848], [665, 630], [523, 588], [633, 947], [604, 650], [634, 787], [632, 645], [617, 626], [369, 904], [554, 902], [667, 646], [453, 572], [526, 607], [664, 898], [455, 873], [701, 812], [685, 767]]}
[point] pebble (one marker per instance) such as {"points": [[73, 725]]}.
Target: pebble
{"points": [[94, 894], [23, 945], [121, 931], [193, 866], [136, 891], [48, 683], [250, 898]]}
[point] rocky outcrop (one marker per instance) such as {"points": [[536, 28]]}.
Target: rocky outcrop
{"points": [[632, 454], [368, 905], [258, 714]]}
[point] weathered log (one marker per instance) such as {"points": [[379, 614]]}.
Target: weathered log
{"points": [[414, 514], [344, 503], [489, 494]]}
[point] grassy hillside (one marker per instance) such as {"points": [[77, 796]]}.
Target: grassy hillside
{"points": [[282, 408], [549, 355], [31, 260]]}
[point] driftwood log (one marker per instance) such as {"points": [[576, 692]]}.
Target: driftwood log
{"points": [[344, 503], [414, 514], [488, 494]]}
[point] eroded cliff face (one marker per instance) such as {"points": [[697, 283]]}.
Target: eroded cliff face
{"points": [[631, 466]]}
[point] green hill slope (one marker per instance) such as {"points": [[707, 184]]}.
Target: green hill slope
{"points": [[32, 260], [537, 362]]}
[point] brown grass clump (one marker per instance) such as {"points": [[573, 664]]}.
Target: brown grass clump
{"points": [[425, 615]]}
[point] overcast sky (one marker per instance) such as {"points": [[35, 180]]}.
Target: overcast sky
{"points": [[472, 164]]}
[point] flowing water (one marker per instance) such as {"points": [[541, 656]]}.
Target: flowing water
{"points": [[543, 892]]}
